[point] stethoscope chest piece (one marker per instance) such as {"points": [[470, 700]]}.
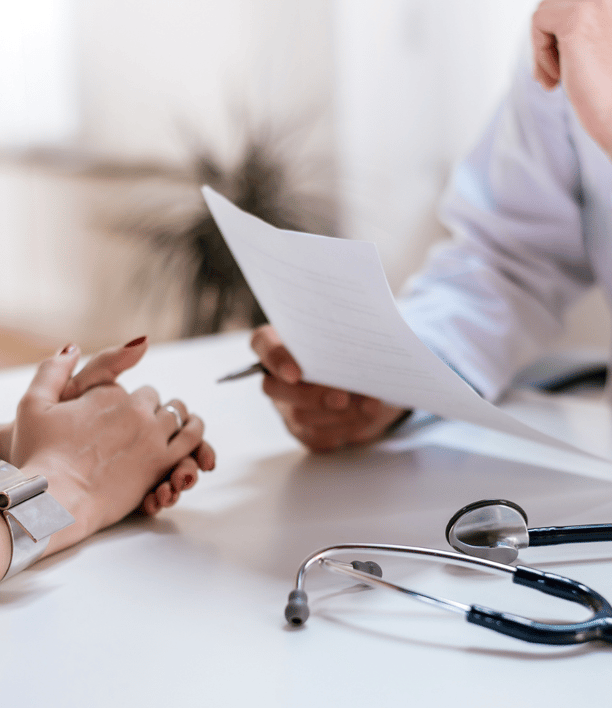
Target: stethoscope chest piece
{"points": [[494, 529]]}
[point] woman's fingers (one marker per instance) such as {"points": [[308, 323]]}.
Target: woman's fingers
{"points": [[105, 367], [173, 416], [205, 457], [167, 493], [50, 379], [184, 476], [188, 438]]}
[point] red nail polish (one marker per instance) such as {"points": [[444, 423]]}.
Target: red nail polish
{"points": [[135, 342], [68, 349]]}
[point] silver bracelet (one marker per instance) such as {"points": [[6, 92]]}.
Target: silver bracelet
{"points": [[32, 515]]}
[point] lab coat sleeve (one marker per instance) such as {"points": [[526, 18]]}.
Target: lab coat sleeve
{"points": [[491, 300]]}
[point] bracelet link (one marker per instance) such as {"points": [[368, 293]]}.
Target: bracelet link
{"points": [[31, 514], [22, 491]]}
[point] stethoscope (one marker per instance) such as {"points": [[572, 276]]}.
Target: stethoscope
{"points": [[488, 535], [496, 529]]}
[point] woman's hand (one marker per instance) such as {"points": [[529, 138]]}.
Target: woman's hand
{"points": [[104, 368], [322, 418], [103, 451]]}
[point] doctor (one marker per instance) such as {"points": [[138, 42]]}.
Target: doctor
{"points": [[530, 211]]}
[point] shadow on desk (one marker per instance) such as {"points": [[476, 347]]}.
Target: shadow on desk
{"points": [[23, 589], [285, 507]]}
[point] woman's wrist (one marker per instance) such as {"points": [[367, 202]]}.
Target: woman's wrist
{"points": [[6, 437], [67, 493], [30, 516]]}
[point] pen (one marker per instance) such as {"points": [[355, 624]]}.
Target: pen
{"points": [[253, 369]]}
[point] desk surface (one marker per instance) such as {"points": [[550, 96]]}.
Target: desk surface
{"points": [[187, 609]]}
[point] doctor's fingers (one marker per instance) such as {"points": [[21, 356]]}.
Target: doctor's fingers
{"points": [[361, 431], [273, 354], [306, 396], [357, 412], [329, 437], [377, 426]]}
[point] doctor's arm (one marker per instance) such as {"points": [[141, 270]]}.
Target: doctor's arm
{"points": [[494, 297]]}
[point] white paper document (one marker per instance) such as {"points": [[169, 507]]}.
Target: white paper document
{"points": [[331, 304]]}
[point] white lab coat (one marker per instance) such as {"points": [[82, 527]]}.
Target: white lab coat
{"points": [[530, 214]]}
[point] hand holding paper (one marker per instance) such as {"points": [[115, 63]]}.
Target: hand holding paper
{"points": [[330, 302]]}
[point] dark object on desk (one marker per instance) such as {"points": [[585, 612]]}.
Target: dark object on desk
{"points": [[597, 627], [257, 368], [565, 372], [496, 529], [588, 378]]}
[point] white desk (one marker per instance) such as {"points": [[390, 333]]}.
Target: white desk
{"points": [[187, 609]]}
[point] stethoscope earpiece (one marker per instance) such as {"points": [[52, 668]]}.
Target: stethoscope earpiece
{"points": [[494, 529], [297, 611]]}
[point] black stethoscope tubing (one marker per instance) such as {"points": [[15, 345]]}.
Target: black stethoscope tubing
{"points": [[555, 535], [597, 627]]}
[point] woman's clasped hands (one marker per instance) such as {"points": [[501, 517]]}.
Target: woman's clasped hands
{"points": [[105, 452]]}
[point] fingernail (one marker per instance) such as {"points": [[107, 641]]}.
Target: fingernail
{"points": [[69, 349], [135, 342], [189, 481]]}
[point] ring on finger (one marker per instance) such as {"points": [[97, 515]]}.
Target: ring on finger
{"points": [[176, 413]]}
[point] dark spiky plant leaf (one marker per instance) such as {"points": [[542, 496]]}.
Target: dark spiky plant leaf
{"points": [[263, 183]]}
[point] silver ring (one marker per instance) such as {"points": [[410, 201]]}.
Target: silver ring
{"points": [[176, 413]]}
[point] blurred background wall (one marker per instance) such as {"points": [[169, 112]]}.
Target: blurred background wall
{"points": [[105, 104]]}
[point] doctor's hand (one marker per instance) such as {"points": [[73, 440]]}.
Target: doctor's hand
{"points": [[572, 44], [322, 418]]}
